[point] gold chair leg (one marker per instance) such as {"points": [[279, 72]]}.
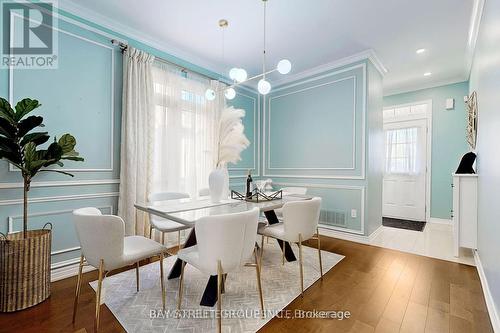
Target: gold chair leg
{"points": [[259, 283], [181, 283], [78, 287], [179, 240], [98, 295], [219, 300], [137, 275], [162, 282], [283, 253], [319, 255], [150, 232], [261, 250], [163, 238], [301, 266]]}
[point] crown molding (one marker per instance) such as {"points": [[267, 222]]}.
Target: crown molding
{"points": [[369, 55], [475, 23], [72, 7], [417, 87]]}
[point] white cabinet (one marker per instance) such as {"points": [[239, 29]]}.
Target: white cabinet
{"points": [[464, 212]]}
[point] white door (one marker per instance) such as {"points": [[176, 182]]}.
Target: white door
{"points": [[404, 184]]}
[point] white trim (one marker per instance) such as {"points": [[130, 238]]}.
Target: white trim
{"points": [[112, 92], [364, 55], [435, 220], [428, 172], [142, 37], [375, 234], [353, 167], [66, 269], [349, 236], [342, 187], [11, 218], [488, 297], [389, 91], [256, 135], [475, 23], [61, 183], [59, 198], [363, 129]]}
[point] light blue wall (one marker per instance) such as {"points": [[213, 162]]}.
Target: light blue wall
{"points": [[79, 98], [485, 79], [448, 139], [248, 101], [315, 133]]}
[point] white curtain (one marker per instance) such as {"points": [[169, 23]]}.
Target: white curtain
{"points": [[185, 130], [402, 151], [136, 137]]}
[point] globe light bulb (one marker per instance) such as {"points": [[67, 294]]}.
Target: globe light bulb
{"points": [[284, 66], [210, 94], [241, 75], [230, 93], [233, 72], [264, 87]]}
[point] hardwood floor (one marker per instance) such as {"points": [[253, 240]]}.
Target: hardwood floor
{"points": [[384, 290]]}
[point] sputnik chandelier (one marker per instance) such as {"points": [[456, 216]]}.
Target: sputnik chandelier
{"points": [[240, 76]]}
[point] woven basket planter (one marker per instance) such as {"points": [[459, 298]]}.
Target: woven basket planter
{"points": [[24, 269]]}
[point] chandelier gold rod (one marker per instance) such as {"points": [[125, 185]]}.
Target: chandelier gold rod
{"points": [[247, 80]]}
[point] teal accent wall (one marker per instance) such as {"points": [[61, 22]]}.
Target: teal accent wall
{"points": [[83, 97], [448, 138], [485, 80], [316, 133]]}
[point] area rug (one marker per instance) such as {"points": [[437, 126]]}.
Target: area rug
{"points": [[141, 311]]}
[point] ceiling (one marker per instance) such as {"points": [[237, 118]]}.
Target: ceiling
{"points": [[308, 33]]}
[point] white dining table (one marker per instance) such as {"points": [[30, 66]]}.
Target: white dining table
{"points": [[188, 211]]}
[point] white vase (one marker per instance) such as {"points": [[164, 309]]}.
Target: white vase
{"points": [[216, 184]]}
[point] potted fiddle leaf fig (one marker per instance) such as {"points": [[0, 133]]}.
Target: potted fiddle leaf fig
{"points": [[25, 255]]}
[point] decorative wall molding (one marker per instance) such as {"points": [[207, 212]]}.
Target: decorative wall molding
{"points": [[256, 135], [4, 186], [488, 296], [341, 187], [266, 130], [112, 92], [59, 198], [357, 57], [475, 23], [67, 268], [268, 119]]}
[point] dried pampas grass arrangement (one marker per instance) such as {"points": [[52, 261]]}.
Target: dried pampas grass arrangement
{"points": [[232, 140]]}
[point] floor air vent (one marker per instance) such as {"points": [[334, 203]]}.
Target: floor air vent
{"points": [[333, 217]]}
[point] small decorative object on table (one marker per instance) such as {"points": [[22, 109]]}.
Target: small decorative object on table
{"points": [[257, 196]]}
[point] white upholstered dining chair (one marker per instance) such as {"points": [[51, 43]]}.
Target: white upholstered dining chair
{"points": [[300, 223], [165, 225], [104, 246], [290, 190], [224, 244]]}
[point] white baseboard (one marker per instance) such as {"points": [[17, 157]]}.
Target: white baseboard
{"points": [[490, 303], [436, 220], [67, 270], [350, 236]]}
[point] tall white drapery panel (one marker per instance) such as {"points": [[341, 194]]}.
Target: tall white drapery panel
{"points": [[136, 137], [185, 130], [402, 151]]}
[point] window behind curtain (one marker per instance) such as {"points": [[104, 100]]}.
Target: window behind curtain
{"points": [[401, 151], [185, 130]]}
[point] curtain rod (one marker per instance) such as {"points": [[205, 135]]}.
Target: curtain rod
{"points": [[124, 46]]}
